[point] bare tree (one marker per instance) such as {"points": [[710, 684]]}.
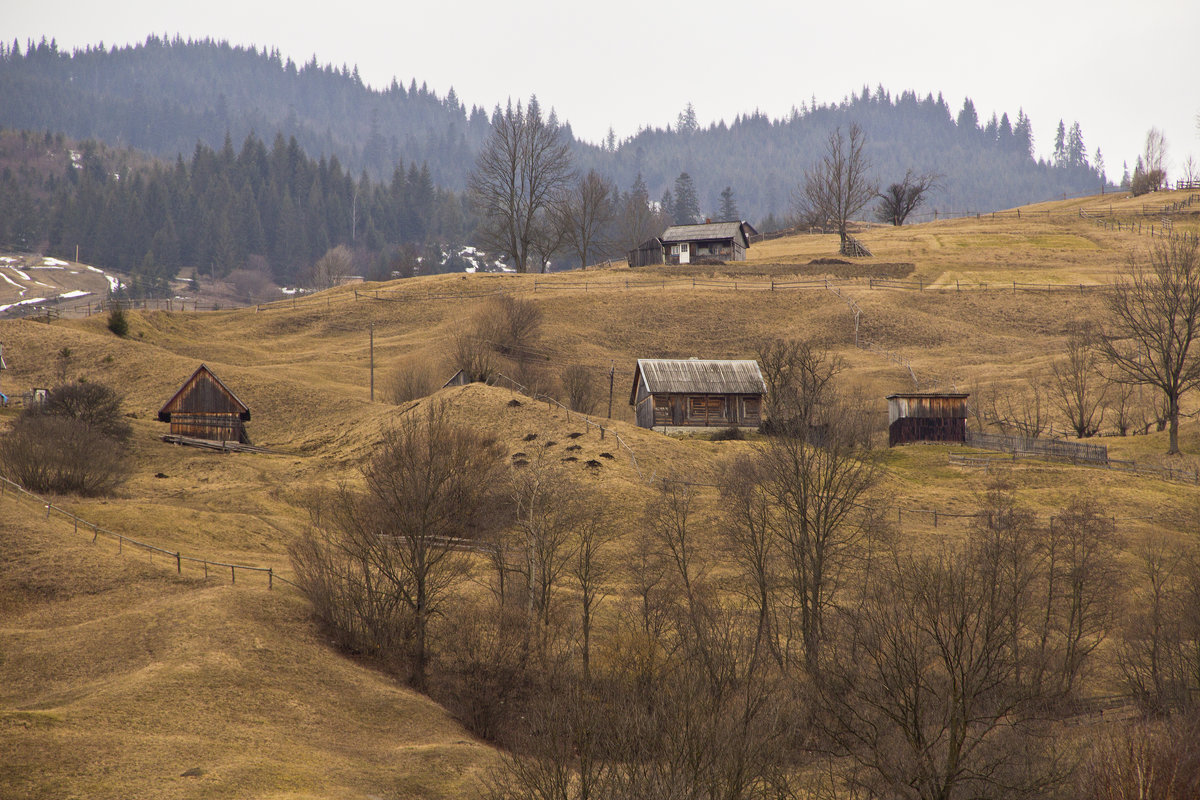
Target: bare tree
{"points": [[521, 168], [900, 200], [838, 186], [1079, 388], [585, 212], [580, 391], [427, 490], [1156, 318], [799, 377], [1156, 157], [332, 268], [1024, 409]]}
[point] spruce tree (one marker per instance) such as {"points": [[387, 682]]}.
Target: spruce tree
{"points": [[1060, 145], [729, 210], [686, 210]]}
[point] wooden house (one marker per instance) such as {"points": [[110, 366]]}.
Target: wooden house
{"points": [[460, 378], [711, 241], [647, 253], [927, 417], [697, 393], [205, 408]]}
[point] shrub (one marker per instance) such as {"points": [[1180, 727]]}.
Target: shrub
{"points": [[411, 381], [117, 323], [47, 453], [577, 385], [92, 404]]}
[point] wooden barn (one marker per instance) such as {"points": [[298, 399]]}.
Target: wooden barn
{"points": [[647, 253], [697, 393], [205, 408], [927, 417], [709, 242]]}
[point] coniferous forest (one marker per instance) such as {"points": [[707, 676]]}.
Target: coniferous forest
{"points": [[221, 157]]}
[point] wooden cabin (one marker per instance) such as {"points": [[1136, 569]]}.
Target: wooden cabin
{"points": [[205, 408], [709, 242], [696, 393], [927, 417], [460, 378], [647, 253]]}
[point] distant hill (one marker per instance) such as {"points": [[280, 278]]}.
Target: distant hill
{"points": [[165, 95]]}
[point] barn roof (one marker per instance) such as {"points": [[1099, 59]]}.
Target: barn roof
{"points": [[697, 376], [224, 400], [704, 232]]}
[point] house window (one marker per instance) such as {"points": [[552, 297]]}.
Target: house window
{"points": [[674, 249]]}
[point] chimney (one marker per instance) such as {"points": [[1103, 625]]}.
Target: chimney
{"points": [[708, 221]]}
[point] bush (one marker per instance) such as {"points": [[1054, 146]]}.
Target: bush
{"points": [[577, 385], [411, 381], [117, 323], [731, 434], [92, 404], [46, 453]]}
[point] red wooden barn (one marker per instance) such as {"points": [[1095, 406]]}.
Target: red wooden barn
{"points": [[205, 408]]}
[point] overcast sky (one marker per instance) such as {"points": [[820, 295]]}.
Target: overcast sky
{"points": [[1117, 68]]}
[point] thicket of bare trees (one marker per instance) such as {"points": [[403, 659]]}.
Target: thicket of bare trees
{"points": [[784, 642]]}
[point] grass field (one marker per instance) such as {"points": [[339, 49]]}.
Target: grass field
{"points": [[117, 675]]}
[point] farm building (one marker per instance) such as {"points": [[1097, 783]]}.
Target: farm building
{"points": [[697, 393], [712, 241], [927, 417], [460, 378], [647, 253], [205, 408]]}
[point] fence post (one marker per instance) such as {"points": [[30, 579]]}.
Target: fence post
{"points": [[178, 563], [232, 574], [47, 511], [270, 577]]}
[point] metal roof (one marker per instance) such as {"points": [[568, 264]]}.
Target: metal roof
{"points": [[697, 376], [705, 232]]}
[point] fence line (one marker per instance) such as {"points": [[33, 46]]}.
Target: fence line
{"points": [[122, 540]]}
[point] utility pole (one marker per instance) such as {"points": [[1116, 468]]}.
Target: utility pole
{"points": [[611, 374], [372, 328]]}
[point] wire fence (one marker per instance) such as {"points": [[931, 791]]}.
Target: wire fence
{"points": [[10, 487]]}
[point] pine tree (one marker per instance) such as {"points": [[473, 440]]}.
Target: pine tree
{"points": [[968, 119], [686, 122], [729, 210], [1023, 134], [1076, 152], [687, 206], [1060, 145]]}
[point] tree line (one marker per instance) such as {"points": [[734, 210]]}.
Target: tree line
{"points": [[133, 95]]}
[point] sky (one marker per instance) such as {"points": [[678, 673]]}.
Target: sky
{"points": [[1117, 68]]}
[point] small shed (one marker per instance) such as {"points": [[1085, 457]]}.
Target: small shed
{"points": [[697, 393], [927, 417], [205, 408], [711, 241], [647, 253]]}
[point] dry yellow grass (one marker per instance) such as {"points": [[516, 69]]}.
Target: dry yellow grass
{"points": [[117, 675]]}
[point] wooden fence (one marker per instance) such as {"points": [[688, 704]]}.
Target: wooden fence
{"points": [[10, 487], [1075, 452]]}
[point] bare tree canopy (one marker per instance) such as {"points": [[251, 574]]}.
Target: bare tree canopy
{"points": [[838, 186], [585, 210], [902, 199], [522, 167], [1156, 317]]}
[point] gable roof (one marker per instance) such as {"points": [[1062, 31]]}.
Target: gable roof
{"points": [[696, 376], [218, 398], [704, 232]]}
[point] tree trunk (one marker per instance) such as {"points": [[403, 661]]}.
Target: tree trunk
{"points": [[1173, 418]]}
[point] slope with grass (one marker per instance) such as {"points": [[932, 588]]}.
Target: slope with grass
{"points": [[119, 675]]}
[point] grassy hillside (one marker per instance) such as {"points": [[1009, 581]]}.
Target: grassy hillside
{"points": [[118, 675]]}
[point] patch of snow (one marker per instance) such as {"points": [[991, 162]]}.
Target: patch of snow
{"points": [[10, 280], [7, 259], [113, 283], [22, 303], [94, 269], [24, 275], [54, 262], [48, 286], [76, 293]]}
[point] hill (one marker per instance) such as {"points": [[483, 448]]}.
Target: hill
{"points": [[108, 655], [165, 95]]}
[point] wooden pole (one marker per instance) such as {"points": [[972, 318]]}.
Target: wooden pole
{"points": [[372, 362], [611, 375]]}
